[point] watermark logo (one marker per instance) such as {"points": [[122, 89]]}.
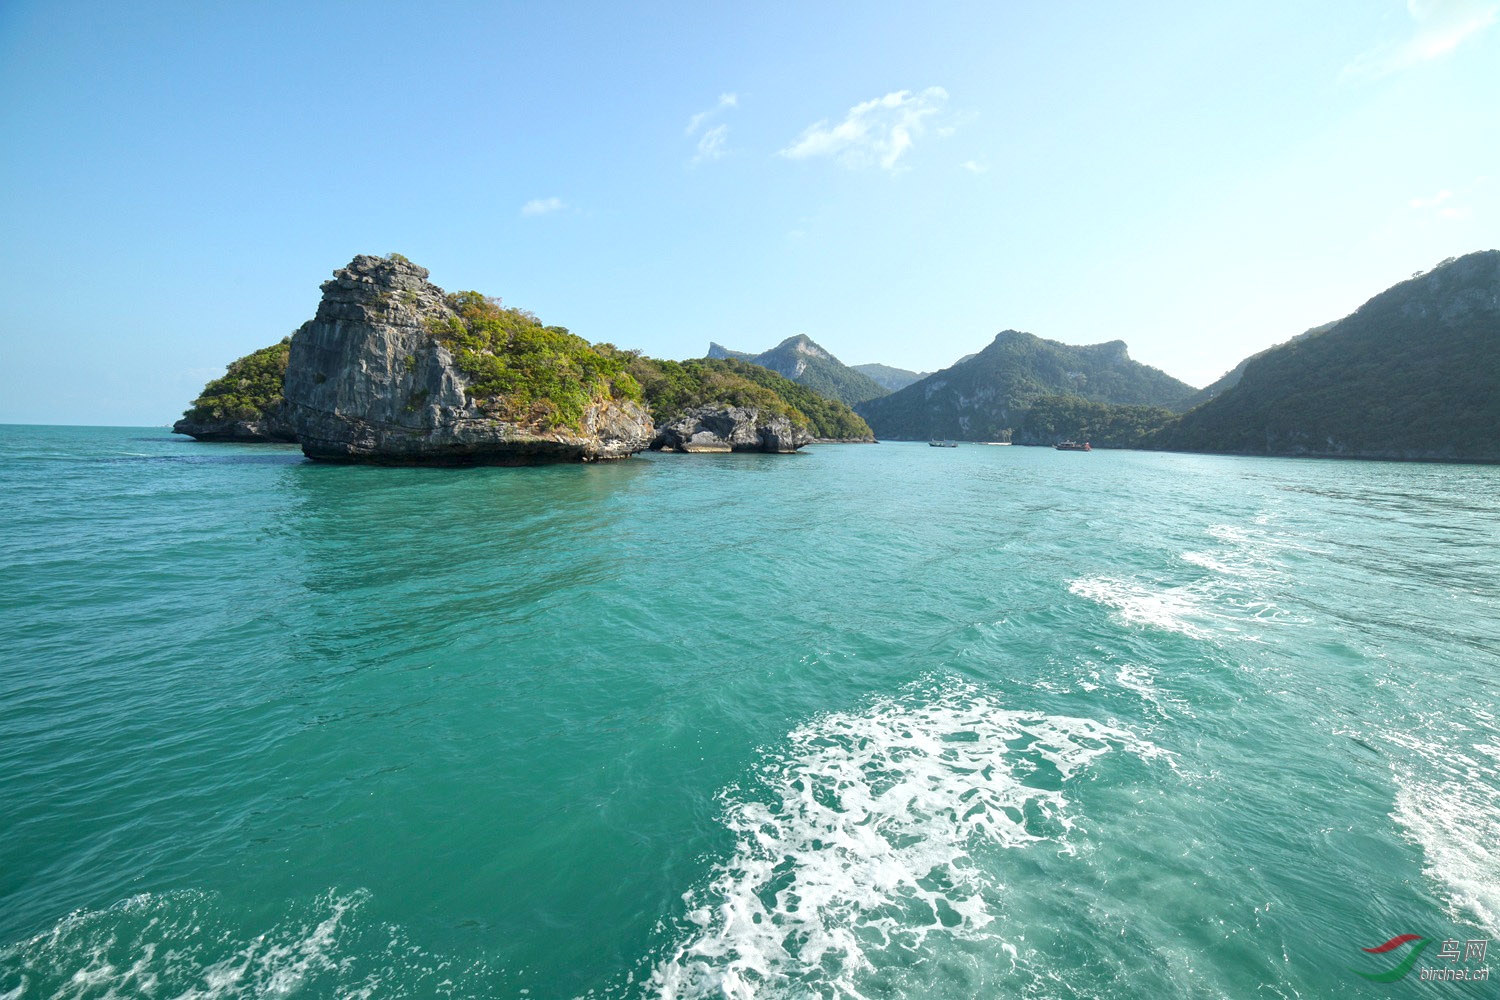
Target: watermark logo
{"points": [[1452, 952], [1400, 971]]}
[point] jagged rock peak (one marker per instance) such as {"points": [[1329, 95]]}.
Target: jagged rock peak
{"points": [[393, 287], [391, 272], [1116, 350], [802, 344], [718, 352]]}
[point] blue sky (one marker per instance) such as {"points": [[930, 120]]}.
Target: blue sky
{"points": [[898, 181]]}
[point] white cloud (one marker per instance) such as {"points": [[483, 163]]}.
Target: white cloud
{"points": [[1463, 201], [1432, 202], [714, 142], [542, 206], [975, 167], [877, 132], [712, 145], [726, 101], [1440, 26]]}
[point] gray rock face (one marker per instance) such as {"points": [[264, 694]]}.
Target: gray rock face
{"points": [[720, 351], [272, 427], [730, 428], [367, 382]]}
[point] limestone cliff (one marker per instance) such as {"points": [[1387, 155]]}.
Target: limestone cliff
{"points": [[730, 428], [370, 379]]}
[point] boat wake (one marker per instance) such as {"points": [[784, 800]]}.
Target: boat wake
{"points": [[1447, 802], [859, 840]]}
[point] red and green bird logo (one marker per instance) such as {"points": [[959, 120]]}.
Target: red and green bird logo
{"points": [[1400, 971]]}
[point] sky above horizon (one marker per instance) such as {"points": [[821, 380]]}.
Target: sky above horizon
{"points": [[898, 182]]}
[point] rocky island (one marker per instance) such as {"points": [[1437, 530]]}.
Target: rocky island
{"points": [[394, 370]]}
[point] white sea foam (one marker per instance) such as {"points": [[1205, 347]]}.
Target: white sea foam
{"points": [[1141, 680], [1239, 589], [1248, 551], [853, 843], [1448, 802], [182, 945], [1212, 561], [172, 944], [1229, 533], [1173, 608]]}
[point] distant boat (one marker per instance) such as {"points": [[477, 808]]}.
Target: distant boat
{"points": [[1072, 446], [942, 444]]}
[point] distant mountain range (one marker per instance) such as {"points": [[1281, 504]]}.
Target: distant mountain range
{"points": [[1414, 373], [897, 378], [805, 363], [891, 378], [987, 396]]}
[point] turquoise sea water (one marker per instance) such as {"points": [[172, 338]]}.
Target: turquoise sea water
{"points": [[869, 721]]}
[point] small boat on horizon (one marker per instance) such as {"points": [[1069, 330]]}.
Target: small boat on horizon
{"points": [[942, 444], [1072, 446]]}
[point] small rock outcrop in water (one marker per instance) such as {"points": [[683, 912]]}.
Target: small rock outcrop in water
{"points": [[672, 388], [730, 428], [371, 379], [274, 427]]}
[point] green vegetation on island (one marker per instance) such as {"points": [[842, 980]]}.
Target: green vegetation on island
{"points": [[249, 390], [889, 378], [673, 387], [807, 364], [522, 371], [1104, 425], [826, 418]]}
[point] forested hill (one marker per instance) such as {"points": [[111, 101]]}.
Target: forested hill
{"points": [[804, 362], [982, 397], [1412, 374], [889, 377], [1231, 378]]}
